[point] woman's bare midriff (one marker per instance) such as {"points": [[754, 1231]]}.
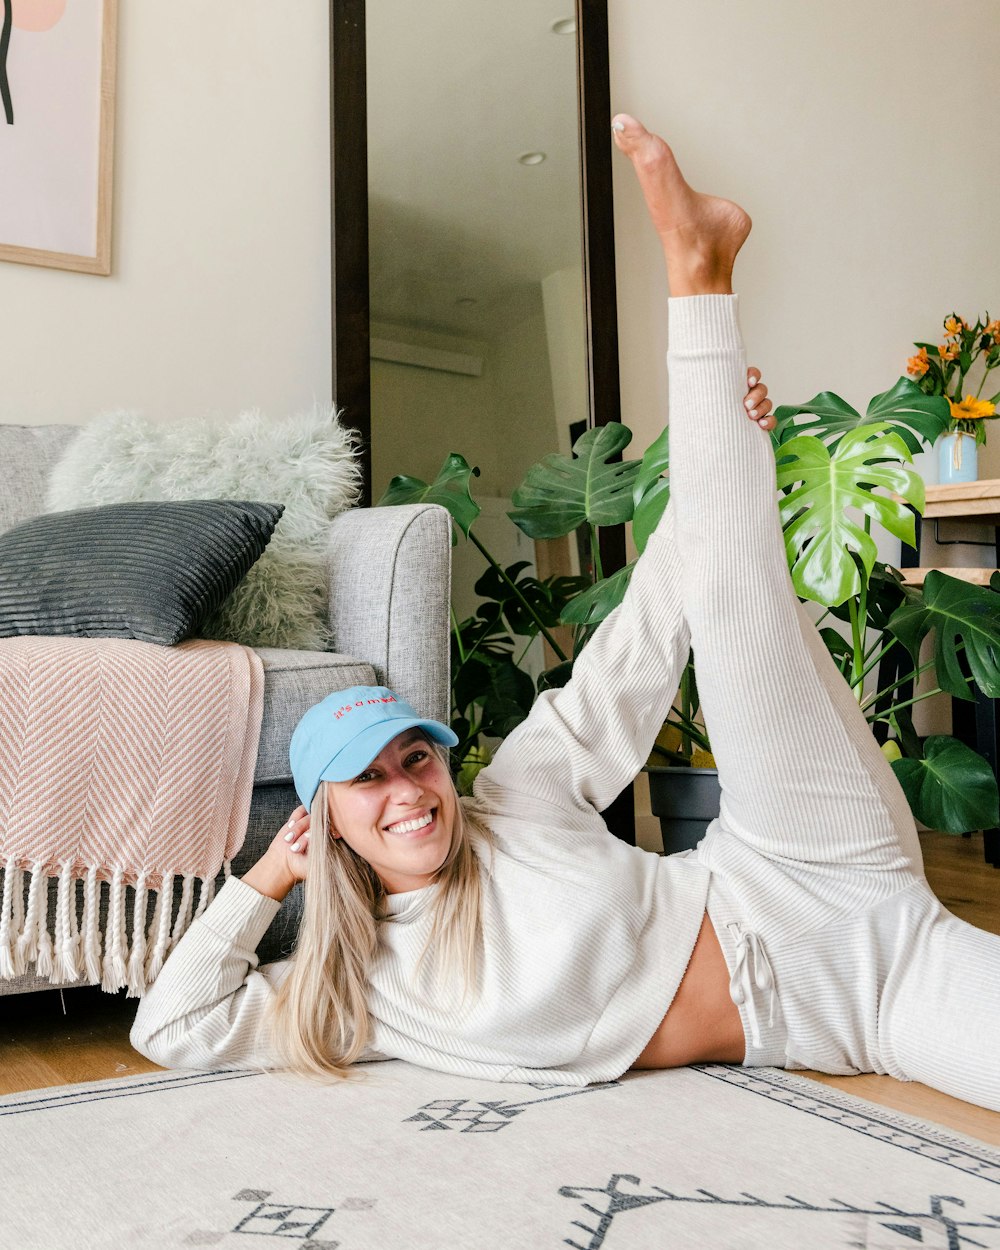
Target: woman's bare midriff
{"points": [[703, 1023]]}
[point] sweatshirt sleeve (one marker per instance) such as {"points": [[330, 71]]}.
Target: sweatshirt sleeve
{"points": [[581, 745], [206, 1008]]}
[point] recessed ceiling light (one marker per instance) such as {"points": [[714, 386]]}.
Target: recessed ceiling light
{"points": [[531, 158], [466, 301], [565, 26]]}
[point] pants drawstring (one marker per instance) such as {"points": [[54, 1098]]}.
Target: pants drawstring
{"points": [[752, 968]]}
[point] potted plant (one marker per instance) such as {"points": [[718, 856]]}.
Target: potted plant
{"points": [[832, 464], [941, 369]]}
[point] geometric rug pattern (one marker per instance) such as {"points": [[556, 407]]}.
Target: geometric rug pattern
{"points": [[711, 1156]]}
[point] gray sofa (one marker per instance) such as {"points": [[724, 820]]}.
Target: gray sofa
{"points": [[390, 571]]}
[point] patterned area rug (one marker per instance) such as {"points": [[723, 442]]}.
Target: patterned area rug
{"points": [[407, 1158]]}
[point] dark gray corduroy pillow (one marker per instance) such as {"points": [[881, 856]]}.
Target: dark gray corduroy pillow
{"points": [[151, 571]]}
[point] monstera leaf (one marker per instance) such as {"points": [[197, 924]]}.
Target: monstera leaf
{"points": [[952, 788], [526, 602], [450, 489], [502, 691], [821, 538], [651, 491], [590, 607], [560, 493], [958, 613], [918, 418], [827, 410]]}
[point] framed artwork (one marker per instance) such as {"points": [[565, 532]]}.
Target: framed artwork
{"points": [[57, 100]]}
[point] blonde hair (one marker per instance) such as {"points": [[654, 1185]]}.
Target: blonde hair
{"points": [[319, 1017]]}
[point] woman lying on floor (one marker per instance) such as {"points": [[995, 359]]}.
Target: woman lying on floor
{"points": [[510, 936]]}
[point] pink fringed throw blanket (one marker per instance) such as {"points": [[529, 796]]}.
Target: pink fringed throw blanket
{"points": [[123, 766]]}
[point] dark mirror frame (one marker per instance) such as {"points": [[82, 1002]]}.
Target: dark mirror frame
{"points": [[349, 246]]}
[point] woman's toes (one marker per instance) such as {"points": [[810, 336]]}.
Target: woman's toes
{"points": [[626, 131], [650, 154]]}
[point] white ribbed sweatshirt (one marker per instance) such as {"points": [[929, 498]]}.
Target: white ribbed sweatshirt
{"points": [[585, 939]]}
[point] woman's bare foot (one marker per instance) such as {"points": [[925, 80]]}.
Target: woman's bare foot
{"points": [[701, 234]]}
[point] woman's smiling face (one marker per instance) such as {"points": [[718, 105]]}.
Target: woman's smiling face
{"points": [[399, 814]]}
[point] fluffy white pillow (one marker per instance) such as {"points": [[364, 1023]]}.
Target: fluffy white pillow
{"points": [[307, 462]]}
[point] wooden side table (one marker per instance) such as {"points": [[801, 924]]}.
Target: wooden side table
{"points": [[977, 503]]}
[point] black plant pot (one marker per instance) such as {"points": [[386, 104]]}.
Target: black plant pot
{"points": [[686, 801]]}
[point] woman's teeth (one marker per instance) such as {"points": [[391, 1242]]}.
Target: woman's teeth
{"points": [[411, 826]]}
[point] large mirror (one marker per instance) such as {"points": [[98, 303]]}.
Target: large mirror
{"points": [[479, 130], [478, 338], [433, 108]]}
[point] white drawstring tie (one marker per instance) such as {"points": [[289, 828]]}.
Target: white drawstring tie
{"points": [[752, 968]]}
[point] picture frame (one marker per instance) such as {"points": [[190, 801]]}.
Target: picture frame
{"points": [[57, 112]]}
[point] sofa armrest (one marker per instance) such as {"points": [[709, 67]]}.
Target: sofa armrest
{"points": [[390, 592]]}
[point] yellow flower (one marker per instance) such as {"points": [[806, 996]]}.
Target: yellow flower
{"points": [[919, 364], [954, 325], [993, 330], [948, 351], [971, 409]]}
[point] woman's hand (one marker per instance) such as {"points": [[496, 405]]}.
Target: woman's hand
{"points": [[757, 404], [284, 862]]}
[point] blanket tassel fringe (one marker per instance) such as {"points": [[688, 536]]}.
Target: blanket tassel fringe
{"points": [[128, 950]]}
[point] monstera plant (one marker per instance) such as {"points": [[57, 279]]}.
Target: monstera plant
{"points": [[838, 471]]}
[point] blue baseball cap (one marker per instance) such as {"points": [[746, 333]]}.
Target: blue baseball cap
{"points": [[339, 737]]}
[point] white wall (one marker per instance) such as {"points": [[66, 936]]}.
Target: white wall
{"points": [[219, 293], [862, 140]]}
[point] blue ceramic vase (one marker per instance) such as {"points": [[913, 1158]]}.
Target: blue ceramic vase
{"points": [[957, 458]]}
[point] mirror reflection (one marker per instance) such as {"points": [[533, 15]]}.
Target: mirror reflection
{"points": [[477, 294]]}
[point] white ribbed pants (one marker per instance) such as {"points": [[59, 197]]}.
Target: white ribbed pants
{"points": [[817, 878]]}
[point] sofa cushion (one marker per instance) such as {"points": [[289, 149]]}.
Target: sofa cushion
{"points": [[306, 460], [293, 682], [151, 571]]}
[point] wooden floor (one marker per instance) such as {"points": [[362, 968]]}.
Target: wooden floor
{"points": [[50, 1038]]}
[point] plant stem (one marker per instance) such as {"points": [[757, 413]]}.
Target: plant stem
{"points": [[685, 713], [595, 554], [982, 383], [873, 661], [912, 676], [959, 648], [690, 731], [858, 658], [524, 603], [907, 703], [458, 633]]}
